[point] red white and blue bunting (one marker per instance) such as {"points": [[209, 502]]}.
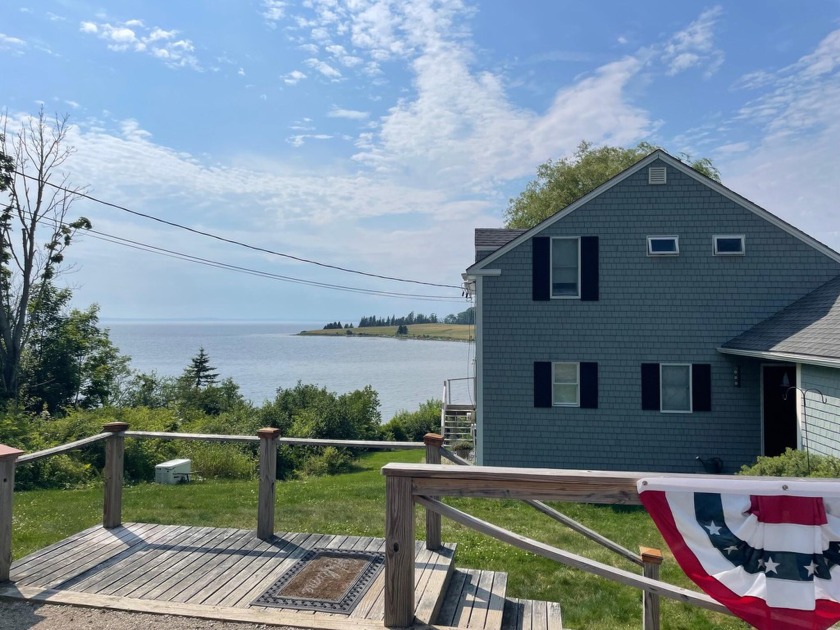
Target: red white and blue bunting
{"points": [[768, 550]]}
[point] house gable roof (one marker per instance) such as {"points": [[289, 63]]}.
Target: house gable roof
{"points": [[493, 238], [807, 330], [673, 162]]}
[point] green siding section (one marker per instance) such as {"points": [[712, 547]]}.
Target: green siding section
{"points": [[651, 309]]}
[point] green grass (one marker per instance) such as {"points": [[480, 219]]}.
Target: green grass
{"points": [[440, 332], [354, 503]]}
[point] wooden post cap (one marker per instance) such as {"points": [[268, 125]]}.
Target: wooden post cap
{"points": [[115, 427], [7, 452], [650, 556], [268, 433], [433, 439]]}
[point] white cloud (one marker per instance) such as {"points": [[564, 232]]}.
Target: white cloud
{"points": [[695, 45], [14, 44], [792, 170], [294, 77], [300, 139], [349, 114], [134, 35], [273, 11], [323, 67]]}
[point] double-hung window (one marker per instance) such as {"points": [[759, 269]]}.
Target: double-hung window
{"points": [[565, 267], [565, 385], [675, 389]]}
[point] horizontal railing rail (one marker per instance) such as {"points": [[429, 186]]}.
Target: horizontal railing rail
{"points": [[114, 435], [56, 450], [424, 484]]}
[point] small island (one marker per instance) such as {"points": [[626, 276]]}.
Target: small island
{"points": [[455, 327]]}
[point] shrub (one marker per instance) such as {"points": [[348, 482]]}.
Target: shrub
{"points": [[794, 464], [411, 426], [331, 461], [220, 461]]}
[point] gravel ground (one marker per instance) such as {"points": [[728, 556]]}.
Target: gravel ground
{"points": [[15, 615]]}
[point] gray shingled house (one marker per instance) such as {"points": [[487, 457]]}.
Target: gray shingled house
{"points": [[657, 323]]}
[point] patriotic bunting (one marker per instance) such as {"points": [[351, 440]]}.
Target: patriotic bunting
{"points": [[768, 550]]}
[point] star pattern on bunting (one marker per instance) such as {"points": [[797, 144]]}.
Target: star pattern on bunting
{"points": [[714, 530]]}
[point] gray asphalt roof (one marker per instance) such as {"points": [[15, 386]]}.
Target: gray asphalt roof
{"points": [[495, 237], [809, 326]]}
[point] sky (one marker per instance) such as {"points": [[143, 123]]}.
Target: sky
{"points": [[376, 135]]}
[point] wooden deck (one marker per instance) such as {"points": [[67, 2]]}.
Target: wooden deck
{"points": [[216, 573], [205, 572]]}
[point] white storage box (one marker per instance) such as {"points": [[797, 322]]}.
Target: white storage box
{"points": [[173, 471]]}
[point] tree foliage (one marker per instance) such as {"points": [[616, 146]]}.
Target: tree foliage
{"points": [[200, 373], [69, 361], [34, 229], [561, 182]]}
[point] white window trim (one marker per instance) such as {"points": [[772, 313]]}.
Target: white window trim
{"points": [[690, 367], [554, 382], [738, 236], [551, 269], [654, 254]]}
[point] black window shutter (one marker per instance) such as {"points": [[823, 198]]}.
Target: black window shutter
{"points": [[542, 384], [650, 386], [701, 387], [589, 385], [541, 268], [589, 268]]}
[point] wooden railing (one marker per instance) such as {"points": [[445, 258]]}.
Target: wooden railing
{"points": [[422, 484], [114, 435]]}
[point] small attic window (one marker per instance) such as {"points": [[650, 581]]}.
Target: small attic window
{"points": [[729, 245], [657, 175], [663, 245]]}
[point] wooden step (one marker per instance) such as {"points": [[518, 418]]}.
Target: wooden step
{"points": [[530, 614], [475, 599]]}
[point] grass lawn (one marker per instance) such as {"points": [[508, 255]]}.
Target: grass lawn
{"points": [[441, 332], [354, 503]]}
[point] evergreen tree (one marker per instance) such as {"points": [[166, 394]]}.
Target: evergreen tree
{"points": [[200, 372]]}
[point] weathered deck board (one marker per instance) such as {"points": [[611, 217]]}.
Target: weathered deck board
{"points": [[529, 614], [216, 573]]}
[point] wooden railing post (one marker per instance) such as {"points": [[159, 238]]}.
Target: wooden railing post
{"points": [[8, 457], [399, 552], [433, 442], [651, 558], [113, 473], [268, 478]]}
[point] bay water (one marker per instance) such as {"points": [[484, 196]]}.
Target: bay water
{"points": [[260, 357]]}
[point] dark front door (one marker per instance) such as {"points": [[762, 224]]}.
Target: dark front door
{"points": [[779, 414]]}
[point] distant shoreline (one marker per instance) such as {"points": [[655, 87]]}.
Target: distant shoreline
{"points": [[429, 332]]}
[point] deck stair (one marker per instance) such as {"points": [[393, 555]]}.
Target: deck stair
{"points": [[477, 599]]}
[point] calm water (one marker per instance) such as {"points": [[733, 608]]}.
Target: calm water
{"points": [[261, 357]]}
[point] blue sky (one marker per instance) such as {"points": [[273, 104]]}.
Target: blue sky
{"points": [[376, 135]]}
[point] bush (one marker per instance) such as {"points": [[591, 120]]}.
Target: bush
{"points": [[331, 461], [220, 461], [794, 464], [411, 426]]}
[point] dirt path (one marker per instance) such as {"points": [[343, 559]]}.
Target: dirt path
{"points": [[24, 615]]}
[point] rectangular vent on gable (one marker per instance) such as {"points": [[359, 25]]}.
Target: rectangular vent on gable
{"points": [[657, 175]]}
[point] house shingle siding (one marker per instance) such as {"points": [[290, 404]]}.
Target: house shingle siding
{"points": [[821, 423], [651, 309]]}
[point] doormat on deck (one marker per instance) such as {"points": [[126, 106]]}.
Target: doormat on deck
{"points": [[327, 580]]}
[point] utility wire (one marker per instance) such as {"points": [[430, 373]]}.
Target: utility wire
{"points": [[118, 240], [235, 242]]}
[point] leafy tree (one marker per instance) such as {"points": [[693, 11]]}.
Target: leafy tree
{"points": [[563, 181], [411, 426], [34, 229], [200, 373], [69, 360]]}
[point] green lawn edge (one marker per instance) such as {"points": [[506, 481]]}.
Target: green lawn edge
{"points": [[431, 332]]}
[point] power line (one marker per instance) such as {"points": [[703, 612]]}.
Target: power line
{"points": [[235, 242], [118, 240]]}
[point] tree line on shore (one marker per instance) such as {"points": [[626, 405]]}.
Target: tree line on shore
{"points": [[464, 317]]}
